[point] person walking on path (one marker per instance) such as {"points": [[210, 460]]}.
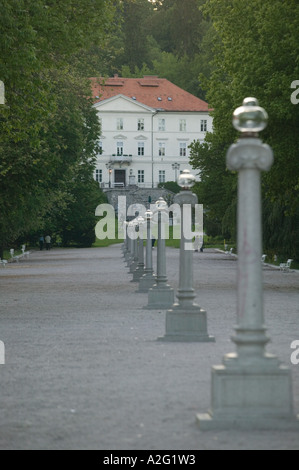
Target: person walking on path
{"points": [[41, 242], [48, 242]]}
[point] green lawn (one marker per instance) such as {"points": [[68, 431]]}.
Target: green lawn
{"points": [[7, 254], [105, 243]]}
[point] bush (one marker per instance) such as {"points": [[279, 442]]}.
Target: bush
{"points": [[170, 186]]}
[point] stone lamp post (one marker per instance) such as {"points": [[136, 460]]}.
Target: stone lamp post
{"points": [[125, 247], [148, 280], [133, 227], [130, 253], [186, 321], [251, 389], [139, 271], [161, 296], [176, 167]]}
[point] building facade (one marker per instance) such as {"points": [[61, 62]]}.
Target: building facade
{"points": [[147, 126]]}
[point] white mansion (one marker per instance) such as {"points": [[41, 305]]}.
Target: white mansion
{"points": [[147, 125]]}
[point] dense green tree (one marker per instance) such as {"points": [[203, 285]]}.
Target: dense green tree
{"points": [[178, 44], [256, 54], [135, 29], [73, 137], [37, 38]]}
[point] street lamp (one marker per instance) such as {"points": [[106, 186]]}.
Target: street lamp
{"points": [[139, 271], [148, 280], [109, 167], [161, 296], [251, 388], [176, 167], [186, 321], [127, 246], [133, 228]]}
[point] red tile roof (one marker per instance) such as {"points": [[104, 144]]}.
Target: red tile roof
{"points": [[157, 93]]}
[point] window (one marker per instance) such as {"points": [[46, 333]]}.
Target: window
{"points": [[141, 149], [183, 149], [140, 176], [162, 176], [203, 125], [101, 148], [162, 150], [120, 149], [99, 176], [120, 124], [162, 125], [183, 125], [140, 126]]}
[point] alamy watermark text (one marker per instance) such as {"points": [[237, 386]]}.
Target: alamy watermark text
{"points": [[2, 93], [295, 354], [295, 94], [181, 219], [2, 353]]}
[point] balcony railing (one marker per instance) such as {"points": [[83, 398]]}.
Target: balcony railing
{"points": [[113, 185], [121, 159]]}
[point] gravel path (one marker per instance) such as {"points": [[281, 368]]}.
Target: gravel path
{"points": [[83, 367]]}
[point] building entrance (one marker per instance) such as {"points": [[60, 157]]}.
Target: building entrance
{"points": [[120, 178]]}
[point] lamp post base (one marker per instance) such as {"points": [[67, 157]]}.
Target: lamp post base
{"points": [[160, 298], [250, 398], [187, 324], [137, 274], [146, 283], [207, 422], [133, 267]]}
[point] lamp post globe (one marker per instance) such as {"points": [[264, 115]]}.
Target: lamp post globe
{"points": [[186, 180], [161, 204], [250, 117], [148, 215]]}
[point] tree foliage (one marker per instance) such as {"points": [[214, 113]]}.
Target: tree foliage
{"points": [[256, 55], [170, 39], [48, 128], [221, 51]]}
